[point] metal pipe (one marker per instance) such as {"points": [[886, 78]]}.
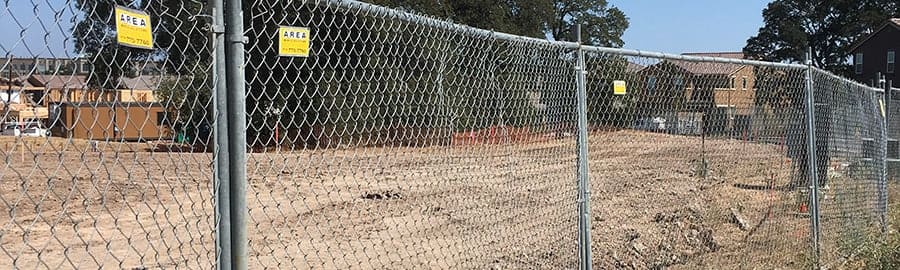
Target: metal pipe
{"points": [[379, 11], [220, 110], [882, 184], [382, 12], [668, 56], [237, 122], [812, 162], [872, 87], [584, 198]]}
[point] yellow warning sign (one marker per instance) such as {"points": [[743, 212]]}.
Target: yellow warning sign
{"points": [[293, 41], [619, 87], [133, 28], [881, 103]]}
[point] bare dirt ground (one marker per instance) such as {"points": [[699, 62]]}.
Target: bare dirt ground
{"points": [[475, 206]]}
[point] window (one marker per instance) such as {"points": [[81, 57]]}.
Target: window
{"points": [[731, 83], [858, 63], [890, 62], [679, 83], [744, 83], [651, 84]]}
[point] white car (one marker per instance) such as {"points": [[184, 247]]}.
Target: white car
{"points": [[35, 132], [29, 130]]}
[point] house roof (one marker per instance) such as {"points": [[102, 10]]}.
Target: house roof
{"points": [[20, 82], [58, 81], [632, 67], [710, 68], [80, 82], [894, 22], [142, 82]]}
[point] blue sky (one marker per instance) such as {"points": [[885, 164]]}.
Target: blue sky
{"points": [[679, 26], [45, 26], [657, 25]]}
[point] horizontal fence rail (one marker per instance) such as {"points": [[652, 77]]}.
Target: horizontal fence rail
{"points": [[332, 134]]}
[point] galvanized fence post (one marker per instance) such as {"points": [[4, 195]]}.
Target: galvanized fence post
{"points": [[882, 183], [237, 141], [812, 161], [220, 108], [584, 197]]}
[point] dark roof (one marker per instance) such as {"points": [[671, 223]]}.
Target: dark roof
{"points": [[80, 82], [59, 81], [632, 67], [710, 68], [894, 22], [145, 82], [18, 82]]}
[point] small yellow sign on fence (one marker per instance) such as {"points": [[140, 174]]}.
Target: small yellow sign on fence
{"points": [[881, 103], [133, 28], [293, 41], [619, 87]]}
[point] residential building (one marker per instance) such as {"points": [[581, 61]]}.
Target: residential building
{"points": [[722, 94], [72, 108], [17, 101], [40, 65], [877, 54]]}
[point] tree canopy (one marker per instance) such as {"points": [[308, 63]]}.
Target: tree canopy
{"points": [[601, 24], [389, 76], [830, 28]]}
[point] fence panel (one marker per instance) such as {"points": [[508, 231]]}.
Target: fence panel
{"points": [[697, 162], [850, 121], [399, 141], [403, 141], [104, 145]]}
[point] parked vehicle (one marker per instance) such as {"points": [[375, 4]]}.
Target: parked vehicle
{"points": [[28, 129], [11, 130], [655, 124]]}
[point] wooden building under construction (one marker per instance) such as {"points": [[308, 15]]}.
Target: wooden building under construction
{"points": [[75, 110]]}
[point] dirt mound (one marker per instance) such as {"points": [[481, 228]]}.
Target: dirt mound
{"points": [[677, 237]]}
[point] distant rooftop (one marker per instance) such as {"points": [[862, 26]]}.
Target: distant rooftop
{"points": [[710, 67]]}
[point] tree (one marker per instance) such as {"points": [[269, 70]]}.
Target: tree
{"points": [[181, 50], [601, 25], [829, 28]]}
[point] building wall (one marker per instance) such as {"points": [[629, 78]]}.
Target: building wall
{"points": [[874, 52], [136, 96], [135, 122], [84, 95], [738, 96], [24, 66]]}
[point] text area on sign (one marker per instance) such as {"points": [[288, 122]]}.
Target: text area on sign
{"points": [[293, 41], [133, 28]]}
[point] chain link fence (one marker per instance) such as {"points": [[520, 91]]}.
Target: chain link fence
{"points": [[400, 141], [105, 147]]}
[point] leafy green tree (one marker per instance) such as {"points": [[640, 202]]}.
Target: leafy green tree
{"points": [[182, 52], [601, 25], [828, 27]]}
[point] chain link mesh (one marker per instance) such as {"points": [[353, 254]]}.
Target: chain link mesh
{"points": [[405, 141], [697, 164], [850, 123], [104, 145], [399, 144]]}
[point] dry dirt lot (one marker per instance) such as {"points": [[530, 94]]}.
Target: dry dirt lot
{"points": [[475, 206]]}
